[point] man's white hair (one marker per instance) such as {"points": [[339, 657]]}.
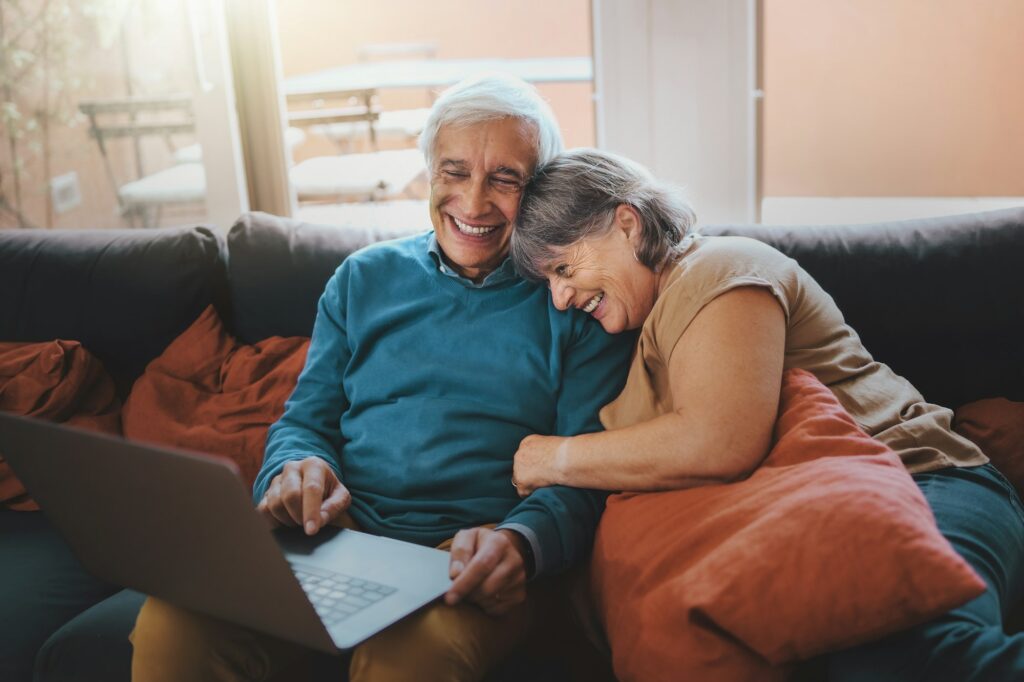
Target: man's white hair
{"points": [[491, 96]]}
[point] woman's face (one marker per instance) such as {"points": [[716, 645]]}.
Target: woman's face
{"points": [[602, 277]]}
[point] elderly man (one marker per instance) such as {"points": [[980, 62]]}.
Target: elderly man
{"points": [[430, 360]]}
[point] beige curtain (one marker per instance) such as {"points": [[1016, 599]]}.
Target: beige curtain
{"points": [[256, 67]]}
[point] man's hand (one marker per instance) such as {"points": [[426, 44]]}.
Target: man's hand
{"points": [[488, 569], [306, 492]]}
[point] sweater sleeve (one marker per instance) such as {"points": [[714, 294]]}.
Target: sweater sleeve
{"points": [[721, 265], [311, 423], [560, 522]]}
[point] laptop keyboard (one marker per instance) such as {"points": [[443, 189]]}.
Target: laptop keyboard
{"points": [[337, 596]]}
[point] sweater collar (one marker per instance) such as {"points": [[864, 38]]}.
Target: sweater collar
{"points": [[503, 273]]}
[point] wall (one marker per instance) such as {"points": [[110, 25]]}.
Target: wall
{"points": [[675, 81], [883, 98]]}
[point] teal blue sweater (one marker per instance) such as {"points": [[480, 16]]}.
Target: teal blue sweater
{"points": [[419, 386]]}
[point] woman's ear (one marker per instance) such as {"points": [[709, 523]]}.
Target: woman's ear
{"points": [[628, 220]]}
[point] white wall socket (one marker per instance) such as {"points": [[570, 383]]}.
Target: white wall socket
{"points": [[64, 192]]}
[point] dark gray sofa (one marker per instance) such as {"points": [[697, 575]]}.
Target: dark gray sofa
{"points": [[940, 300]]}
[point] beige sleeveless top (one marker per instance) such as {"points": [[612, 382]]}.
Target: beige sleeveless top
{"points": [[818, 340]]}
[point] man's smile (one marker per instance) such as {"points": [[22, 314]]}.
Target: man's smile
{"points": [[473, 230]]}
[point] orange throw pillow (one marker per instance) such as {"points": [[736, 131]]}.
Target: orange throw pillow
{"points": [[827, 545], [209, 393], [996, 425], [59, 381]]}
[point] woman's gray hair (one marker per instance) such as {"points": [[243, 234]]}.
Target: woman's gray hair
{"points": [[491, 96], [575, 196]]}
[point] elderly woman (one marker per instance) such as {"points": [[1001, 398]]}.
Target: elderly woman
{"points": [[719, 319]]}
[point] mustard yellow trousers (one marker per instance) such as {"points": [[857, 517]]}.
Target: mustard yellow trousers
{"points": [[439, 642]]}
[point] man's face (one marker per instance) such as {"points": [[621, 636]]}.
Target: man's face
{"points": [[476, 181]]}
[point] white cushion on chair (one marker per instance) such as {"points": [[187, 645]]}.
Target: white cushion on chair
{"points": [[408, 121], [184, 183], [192, 153], [361, 175]]}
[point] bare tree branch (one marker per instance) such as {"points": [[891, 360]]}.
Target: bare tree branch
{"points": [[23, 221]]}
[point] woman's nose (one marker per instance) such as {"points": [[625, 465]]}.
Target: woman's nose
{"points": [[561, 294]]}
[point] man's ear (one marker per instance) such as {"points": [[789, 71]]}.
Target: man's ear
{"points": [[628, 220]]}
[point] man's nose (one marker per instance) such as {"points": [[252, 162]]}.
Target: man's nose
{"points": [[476, 199], [561, 294]]}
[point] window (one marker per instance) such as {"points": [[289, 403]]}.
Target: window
{"points": [[105, 108], [360, 77]]}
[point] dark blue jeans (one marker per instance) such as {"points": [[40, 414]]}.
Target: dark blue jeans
{"points": [[979, 513], [42, 586]]}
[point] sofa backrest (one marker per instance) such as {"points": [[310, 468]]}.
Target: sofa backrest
{"points": [[940, 300], [125, 294], [279, 267]]}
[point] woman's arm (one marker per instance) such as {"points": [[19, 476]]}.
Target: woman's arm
{"points": [[725, 375]]}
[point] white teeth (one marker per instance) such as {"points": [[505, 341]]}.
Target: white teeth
{"points": [[475, 231], [594, 302]]}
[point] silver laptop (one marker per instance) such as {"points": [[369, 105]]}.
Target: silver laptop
{"points": [[181, 526]]}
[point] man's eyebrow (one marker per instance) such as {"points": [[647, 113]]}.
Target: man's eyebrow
{"points": [[508, 170], [457, 163]]}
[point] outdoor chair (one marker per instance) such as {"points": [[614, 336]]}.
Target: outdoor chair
{"points": [[364, 176], [137, 118]]}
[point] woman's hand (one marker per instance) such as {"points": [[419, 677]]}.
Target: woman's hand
{"points": [[536, 463]]}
